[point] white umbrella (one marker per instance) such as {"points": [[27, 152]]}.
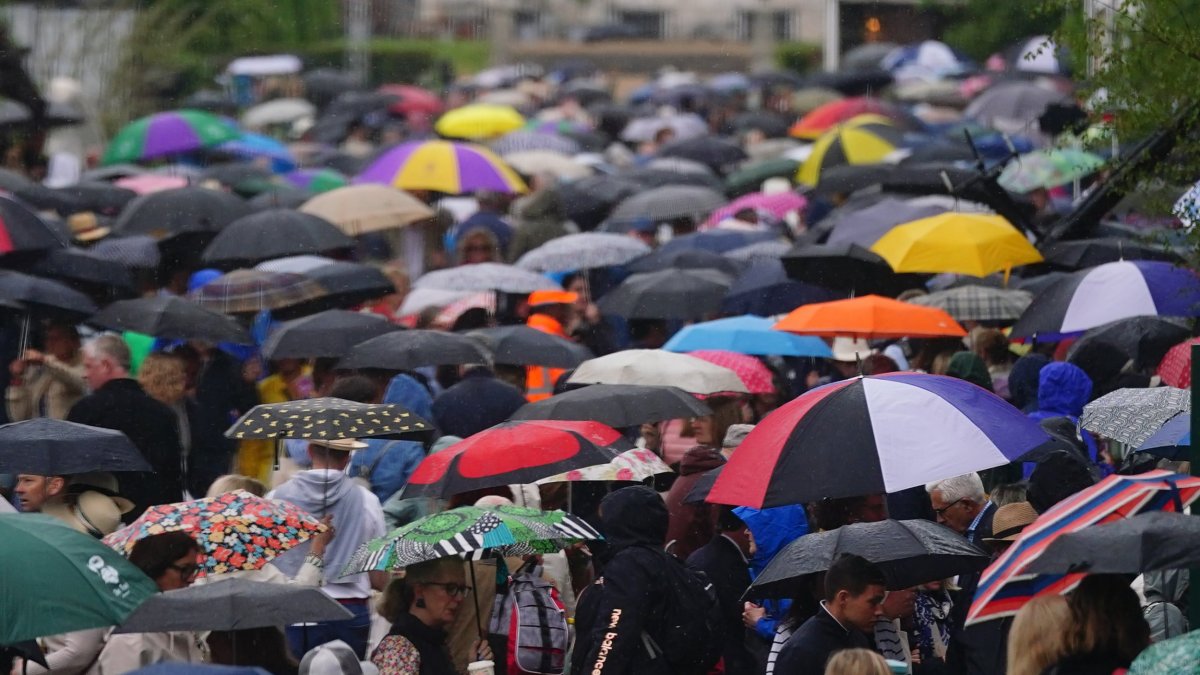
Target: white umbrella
{"points": [[278, 111], [533, 162], [585, 250], [295, 264], [487, 277], [659, 368]]}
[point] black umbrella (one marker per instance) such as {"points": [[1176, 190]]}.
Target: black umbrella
{"points": [[47, 199], [171, 318], [770, 124], [764, 289], [180, 211], [525, 346], [411, 349], [81, 268], [326, 418], [1082, 253], [233, 604], [846, 267], [650, 178], [712, 152], [139, 251], [231, 174], [1145, 339], [11, 181], [322, 85], [282, 197], [588, 201], [908, 552], [848, 178], [103, 198], [348, 284], [1158, 540], [49, 447], [22, 231], [44, 297], [329, 334], [669, 294], [617, 405], [274, 233], [703, 486], [684, 259]]}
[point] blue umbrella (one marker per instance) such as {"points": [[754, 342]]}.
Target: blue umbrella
{"points": [[764, 288], [746, 335], [1172, 440], [253, 146]]}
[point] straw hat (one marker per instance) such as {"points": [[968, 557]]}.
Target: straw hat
{"points": [[343, 444], [92, 513], [850, 350], [102, 482], [86, 227], [1010, 520]]}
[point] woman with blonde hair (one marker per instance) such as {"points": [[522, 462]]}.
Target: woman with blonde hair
{"points": [[1038, 637], [856, 662]]}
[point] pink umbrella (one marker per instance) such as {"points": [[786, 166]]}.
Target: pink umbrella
{"points": [[778, 205], [749, 370], [148, 183], [1176, 367]]}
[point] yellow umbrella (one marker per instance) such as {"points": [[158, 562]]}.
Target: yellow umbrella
{"points": [[865, 139], [960, 243], [479, 121]]}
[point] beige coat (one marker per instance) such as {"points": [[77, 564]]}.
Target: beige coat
{"points": [[127, 652], [53, 384]]}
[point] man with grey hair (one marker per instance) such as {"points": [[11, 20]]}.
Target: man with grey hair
{"points": [[118, 402], [961, 505]]}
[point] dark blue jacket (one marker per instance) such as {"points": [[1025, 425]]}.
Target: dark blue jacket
{"points": [[477, 402]]}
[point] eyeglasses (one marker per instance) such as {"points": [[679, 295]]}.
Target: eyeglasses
{"points": [[451, 587], [942, 511], [187, 572]]}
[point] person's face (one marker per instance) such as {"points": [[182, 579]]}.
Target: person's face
{"points": [[579, 288], [97, 370], [478, 249], [955, 514], [703, 428], [863, 609], [873, 510], [180, 574], [444, 596], [61, 344], [900, 604], [33, 491]]}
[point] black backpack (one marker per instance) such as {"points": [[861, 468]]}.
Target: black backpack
{"points": [[692, 639]]}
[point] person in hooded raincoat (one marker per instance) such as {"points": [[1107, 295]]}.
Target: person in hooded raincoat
{"points": [[1063, 390], [771, 530]]}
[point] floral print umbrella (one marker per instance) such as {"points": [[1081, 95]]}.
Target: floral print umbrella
{"points": [[236, 530], [632, 465]]}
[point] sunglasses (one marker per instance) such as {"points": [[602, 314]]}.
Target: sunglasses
{"points": [[451, 587]]}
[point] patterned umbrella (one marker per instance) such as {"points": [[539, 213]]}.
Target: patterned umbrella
{"points": [[243, 291], [442, 166], [1176, 367], [168, 133], [236, 530], [486, 277], [325, 418], [1048, 168], [586, 250], [632, 465], [978, 303], [471, 530], [317, 181], [1133, 415], [751, 371]]}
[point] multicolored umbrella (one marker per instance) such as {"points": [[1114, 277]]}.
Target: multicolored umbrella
{"points": [[1175, 368], [1006, 585], [745, 335], [471, 530], [777, 205], [255, 146], [236, 530], [1044, 169], [632, 465], [1133, 415], [246, 291], [442, 166], [750, 371], [870, 317], [825, 117], [325, 418], [168, 133], [515, 453], [317, 181], [978, 303], [479, 121], [871, 435], [960, 243], [866, 139], [22, 231]]}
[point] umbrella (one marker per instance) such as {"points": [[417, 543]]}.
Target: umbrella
{"points": [[511, 453], [236, 530], [709, 151], [669, 294], [865, 226], [170, 318], [825, 117], [617, 405], [325, 418], [1118, 290], [769, 123], [178, 211], [1013, 107], [244, 291], [347, 284], [532, 141], [746, 335], [908, 552], [478, 121], [849, 178], [328, 334], [411, 349], [1080, 253], [863, 140], [978, 303], [683, 259], [533, 162], [78, 267], [684, 126], [43, 198], [358, 209], [632, 465], [588, 201], [765, 289], [168, 133], [1044, 169], [585, 250], [316, 181], [717, 241], [233, 604], [756, 376], [660, 368], [525, 346], [42, 296], [103, 198], [668, 203], [471, 530], [870, 317], [649, 178], [1146, 542], [846, 267], [442, 166], [1144, 339], [235, 175], [1175, 368], [750, 177], [49, 447], [137, 251], [1133, 415], [22, 231], [149, 183], [963, 243], [871, 435], [1173, 439], [772, 249], [776, 205], [277, 111], [486, 277], [1007, 584], [281, 197], [250, 146], [92, 587], [412, 99], [274, 233]]}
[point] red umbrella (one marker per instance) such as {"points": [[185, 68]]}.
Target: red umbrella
{"points": [[825, 117], [750, 370], [1176, 367], [515, 453], [412, 99]]}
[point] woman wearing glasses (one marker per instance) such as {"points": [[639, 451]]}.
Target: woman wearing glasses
{"points": [[422, 606]]}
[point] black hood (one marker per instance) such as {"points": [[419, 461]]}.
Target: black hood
{"points": [[632, 516]]}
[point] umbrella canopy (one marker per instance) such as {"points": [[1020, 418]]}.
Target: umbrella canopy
{"points": [[829, 115], [978, 303], [1078, 254], [532, 141], [658, 368], [245, 291], [962, 243], [714, 153], [1119, 290], [870, 317], [668, 203], [864, 227], [870, 435], [769, 250], [765, 289], [44, 297], [683, 259], [274, 233], [684, 126], [514, 453], [411, 349], [92, 587], [589, 201], [103, 198], [137, 251], [908, 552], [179, 211], [669, 294], [1013, 107], [846, 267], [316, 181], [1173, 440], [479, 121], [78, 267], [750, 177], [486, 277], [358, 209], [746, 335], [716, 241], [233, 604], [22, 231], [347, 284], [1146, 542], [170, 318], [49, 447], [1044, 169], [525, 346], [1144, 339], [1133, 415], [442, 166], [329, 334], [412, 99], [776, 205], [325, 418], [257, 147], [533, 162], [862, 140], [632, 465], [769, 123], [1007, 584], [1175, 368], [617, 405], [756, 376], [168, 133], [277, 111], [585, 250]]}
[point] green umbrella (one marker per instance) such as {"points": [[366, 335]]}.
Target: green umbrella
{"points": [[750, 178], [57, 580], [1047, 169]]}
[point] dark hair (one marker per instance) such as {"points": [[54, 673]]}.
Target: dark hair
{"points": [[832, 513], [851, 573], [1107, 618], [727, 520], [358, 388], [154, 555], [878, 364]]}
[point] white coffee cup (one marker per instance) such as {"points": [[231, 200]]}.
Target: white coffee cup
{"points": [[481, 668]]}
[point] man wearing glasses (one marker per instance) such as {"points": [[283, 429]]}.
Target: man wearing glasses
{"points": [[961, 505]]}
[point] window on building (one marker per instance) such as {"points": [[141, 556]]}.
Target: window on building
{"points": [[781, 22], [647, 24]]}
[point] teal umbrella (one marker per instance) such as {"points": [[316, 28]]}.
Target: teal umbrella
{"points": [[56, 580], [1047, 169]]}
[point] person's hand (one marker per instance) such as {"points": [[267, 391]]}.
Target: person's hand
{"points": [[591, 314], [17, 369], [653, 436], [751, 613], [483, 651], [34, 356], [916, 656], [322, 539]]}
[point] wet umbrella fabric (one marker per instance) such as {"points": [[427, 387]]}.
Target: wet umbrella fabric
{"points": [[22, 231], [411, 349], [636, 465], [486, 277], [746, 335], [978, 303], [245, 291], [585, 250], [716, 241], [1146, 542], [684, 259], [668, 203], [82, 268], [846, 267], [346, 284], [1144, 339], [525, 346], [49, 447], [865, 227], [712, 152], [329, 334], [170, 318], [1173, 439], [275, 233], [765, 289], [617, 405], [325, 418], [1083, 253], [669, 294], [658, 368], [138, 251], [870, 317], [1175, 368], [1133, 415], [233, 604], [43, 296], [179, 211]]}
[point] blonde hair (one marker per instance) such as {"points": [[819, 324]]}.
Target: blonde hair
{"points": [[232, 481], [856, 662], [726, 411], [164, 377], [1038, 637]]}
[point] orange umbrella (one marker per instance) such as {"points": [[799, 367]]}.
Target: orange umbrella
{"points": [[827, 116], [870, 316]]}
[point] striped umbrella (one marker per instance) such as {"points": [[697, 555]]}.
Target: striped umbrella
{"points": [[442, 166], [168, 133], [243, 291], [1007, 585], [827, 116], [866, 139]]}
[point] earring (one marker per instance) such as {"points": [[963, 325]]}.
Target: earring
{"points": [[420, 603]]}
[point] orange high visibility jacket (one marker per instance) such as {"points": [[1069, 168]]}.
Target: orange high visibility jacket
{"points": [[539, 380]]}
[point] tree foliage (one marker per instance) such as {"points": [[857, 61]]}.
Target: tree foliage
{"points": [[980, 28]]}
